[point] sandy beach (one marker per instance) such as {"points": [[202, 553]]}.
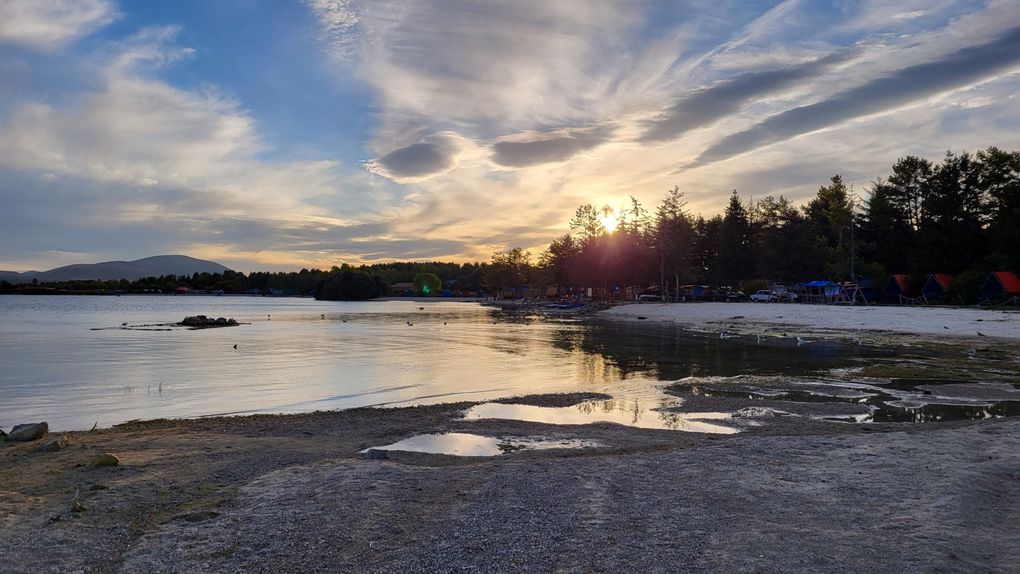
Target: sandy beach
{"points": [[944, 323]]}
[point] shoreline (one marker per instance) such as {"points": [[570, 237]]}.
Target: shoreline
{"points": [[254, 493], [884, 323]]}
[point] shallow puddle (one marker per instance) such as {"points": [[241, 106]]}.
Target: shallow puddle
{"points": [[619, 411], [896, 400], [467, 444]]}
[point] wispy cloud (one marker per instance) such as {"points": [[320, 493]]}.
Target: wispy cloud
{"points": [[910, 84], [337, 20], [49, 24], [466, 126], [706, 106]]}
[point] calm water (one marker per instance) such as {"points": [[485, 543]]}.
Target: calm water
{"points": [[301, 355]]}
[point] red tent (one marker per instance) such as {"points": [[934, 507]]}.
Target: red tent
{"points": [[937, 285], [897, 285], [1001, 284]]}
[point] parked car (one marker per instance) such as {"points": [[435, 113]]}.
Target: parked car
{"points": [[763, 296], [728, 295]]}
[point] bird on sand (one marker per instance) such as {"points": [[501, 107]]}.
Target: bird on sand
{"points": [[123, 324]]}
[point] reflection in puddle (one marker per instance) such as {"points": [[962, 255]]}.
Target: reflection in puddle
{"points": [[619, 411], [896, 400], [467, 444]]}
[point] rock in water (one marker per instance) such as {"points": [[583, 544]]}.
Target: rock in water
{"points": [[105, 459], [201, 322], [59, 443], [28, 432]]}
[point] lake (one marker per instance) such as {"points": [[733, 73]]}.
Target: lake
{"points": [[69, 361]]}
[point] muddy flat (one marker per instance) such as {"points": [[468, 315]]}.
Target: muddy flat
{"points": [[295, 493]]}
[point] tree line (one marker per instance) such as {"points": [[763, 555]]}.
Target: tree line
{"points": [[344, 281], [959, 216]]}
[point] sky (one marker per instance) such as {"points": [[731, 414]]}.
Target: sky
{"points": [[274, 135]]}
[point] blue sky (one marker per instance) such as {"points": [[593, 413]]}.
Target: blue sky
{"points": [[279, 135]]}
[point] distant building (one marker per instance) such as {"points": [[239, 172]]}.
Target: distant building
{"points": [[403, 289]]}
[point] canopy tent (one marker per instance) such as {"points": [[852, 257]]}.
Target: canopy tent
{"points": [[937, 285], [821, 290], [1001, 284]]}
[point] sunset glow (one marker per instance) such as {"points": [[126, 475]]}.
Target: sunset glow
{"points": [[360, 132]]}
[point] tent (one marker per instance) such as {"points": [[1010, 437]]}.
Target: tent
{"points": [[1001, 284], [937, 285], [816, 291], [896, 286]]}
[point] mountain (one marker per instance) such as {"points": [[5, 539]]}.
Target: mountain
{"points": [[109, 270]]}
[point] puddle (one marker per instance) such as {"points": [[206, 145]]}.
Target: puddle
{"points": [[620, 411], [467, 444], [896, 400]]}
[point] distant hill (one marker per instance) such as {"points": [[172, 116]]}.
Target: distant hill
{"points": [[110, 270]]}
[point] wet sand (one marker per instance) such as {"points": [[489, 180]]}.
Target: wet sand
{"points": [[293, 494]]}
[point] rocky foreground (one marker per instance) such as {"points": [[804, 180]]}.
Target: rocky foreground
{"points": [[293, 494]]}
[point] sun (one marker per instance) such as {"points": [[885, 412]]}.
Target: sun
{"points": [[609, 221]]}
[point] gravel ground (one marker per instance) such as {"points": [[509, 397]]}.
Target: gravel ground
{"points": [[292, 494]]}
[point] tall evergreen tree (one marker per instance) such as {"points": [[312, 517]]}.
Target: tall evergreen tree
{"points": [[908, 185], [950, 233], [736, 253], [1000, 179], [673, 236]]}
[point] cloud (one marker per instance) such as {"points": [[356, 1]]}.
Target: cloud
{"points": [[706, 106], [49, 24], [417, 160], [485, 69], [337, 20], [532, 148], [904, 86]]}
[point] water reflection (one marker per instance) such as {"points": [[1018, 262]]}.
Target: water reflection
{"points": [[666, 352], [467, 444], [317, 355], [627, 412]]}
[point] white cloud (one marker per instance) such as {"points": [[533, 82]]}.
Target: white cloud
{"points": [[49, 24], [477, 67], [337, 19]]}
